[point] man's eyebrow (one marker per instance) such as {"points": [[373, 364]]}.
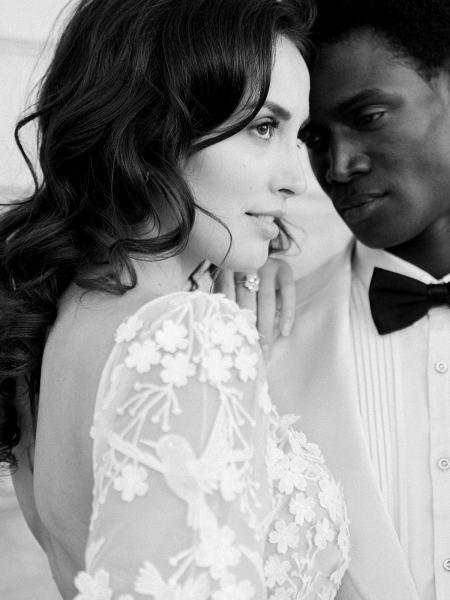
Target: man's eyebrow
{"points": [[306, 124], [364, 96], [306, 128]]}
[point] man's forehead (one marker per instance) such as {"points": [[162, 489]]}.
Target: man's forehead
{"points": [[360, 55], [356, 68]]}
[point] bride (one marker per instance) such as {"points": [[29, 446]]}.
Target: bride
{"points": [[147, 456]]}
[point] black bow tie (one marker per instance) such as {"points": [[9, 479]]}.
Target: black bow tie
{"points": [[397, 301]]}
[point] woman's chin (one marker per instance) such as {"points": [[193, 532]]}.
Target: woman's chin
{"points": [[248, 261]]}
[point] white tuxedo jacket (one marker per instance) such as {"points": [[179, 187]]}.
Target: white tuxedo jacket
{"points": [[312, 373]]}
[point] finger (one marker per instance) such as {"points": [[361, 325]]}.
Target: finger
{"points": [[286, 297], [267, 304], [224, 284], [244, 297]]}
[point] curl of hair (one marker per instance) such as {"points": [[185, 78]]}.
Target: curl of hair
{"points": [[134, 87], [416, 30]]}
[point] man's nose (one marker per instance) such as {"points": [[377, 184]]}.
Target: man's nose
{"points": [[345, 160]]}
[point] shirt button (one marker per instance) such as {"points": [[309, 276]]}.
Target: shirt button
{"points": [[446, 564], [441, 366], [444, 464]]}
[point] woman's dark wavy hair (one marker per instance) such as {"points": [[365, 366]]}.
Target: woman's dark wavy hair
{"points": [[134, 87]]}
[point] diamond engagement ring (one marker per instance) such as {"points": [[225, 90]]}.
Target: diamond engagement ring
{"points": [[251, 282]]}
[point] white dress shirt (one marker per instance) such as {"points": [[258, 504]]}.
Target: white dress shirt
{"points": [[404, 396]]}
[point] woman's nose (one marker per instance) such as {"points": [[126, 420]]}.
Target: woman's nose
{"points": [[291, 180]]}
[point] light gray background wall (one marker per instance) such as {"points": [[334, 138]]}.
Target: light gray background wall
{"points": [[24, 26]]}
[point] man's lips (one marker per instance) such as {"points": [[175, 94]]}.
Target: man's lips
{"points": [[356, 200], [360, 207]]}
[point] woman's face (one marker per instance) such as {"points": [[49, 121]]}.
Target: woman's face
{"points": [[246, 179]]}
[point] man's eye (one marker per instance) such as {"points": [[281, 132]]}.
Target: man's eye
{"points": [[265, 129], [313, 141], [369, 118], [310, 139]]}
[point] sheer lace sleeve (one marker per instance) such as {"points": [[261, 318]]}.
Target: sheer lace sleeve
{"points": [[180, 477]]}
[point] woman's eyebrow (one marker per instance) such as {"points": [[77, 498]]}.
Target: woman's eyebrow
{"points": [[278, 111]]}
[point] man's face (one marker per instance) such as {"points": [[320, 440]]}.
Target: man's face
{"points": [[379, 141]]}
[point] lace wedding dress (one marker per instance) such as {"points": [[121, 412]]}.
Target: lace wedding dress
{"points": [[202, 491]]}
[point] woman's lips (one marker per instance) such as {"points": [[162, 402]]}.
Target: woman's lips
{"points": [[266, 224]]}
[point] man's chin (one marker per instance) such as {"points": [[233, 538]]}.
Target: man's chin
{"points": [[381, 242]]}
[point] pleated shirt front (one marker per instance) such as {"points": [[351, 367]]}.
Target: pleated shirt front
{"points": [[404, 399]]}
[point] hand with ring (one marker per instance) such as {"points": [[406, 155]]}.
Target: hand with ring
{"points": [[270, 294], [250, 282]]}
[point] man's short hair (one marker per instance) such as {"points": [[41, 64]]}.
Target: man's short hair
{"points": [[415, 29]]}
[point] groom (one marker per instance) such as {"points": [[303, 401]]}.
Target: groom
{"points": [[368, 363]]}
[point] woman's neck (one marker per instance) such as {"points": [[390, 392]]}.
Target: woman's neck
{"points": [[160, 277]]}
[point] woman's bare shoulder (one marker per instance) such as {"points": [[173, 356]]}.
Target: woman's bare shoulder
{"points": [[83, 333], [80, 341]]}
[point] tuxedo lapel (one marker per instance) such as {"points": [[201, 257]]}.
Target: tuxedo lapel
{"points": [[312, 374]]}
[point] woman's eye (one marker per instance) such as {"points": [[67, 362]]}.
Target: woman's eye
{"points": [[265, 129]]}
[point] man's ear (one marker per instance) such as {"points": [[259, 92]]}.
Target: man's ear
{"points": [[441, 75], [439, 81], [446, 72]]}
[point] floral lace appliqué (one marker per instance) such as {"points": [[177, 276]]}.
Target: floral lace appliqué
{"points": [[258, 512]]}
